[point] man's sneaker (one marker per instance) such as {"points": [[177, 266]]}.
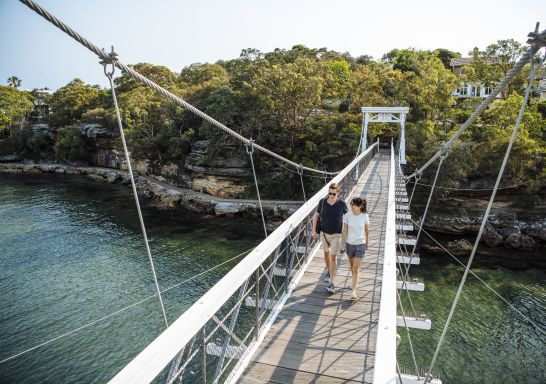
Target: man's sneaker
{"points": [[330, 288], [354, 296], [327, 278]]}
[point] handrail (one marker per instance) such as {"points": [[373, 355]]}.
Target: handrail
{"points": [[152, 361], [385, 364]]}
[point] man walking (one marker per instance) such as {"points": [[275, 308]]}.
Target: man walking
{"points": [[329, 214]]}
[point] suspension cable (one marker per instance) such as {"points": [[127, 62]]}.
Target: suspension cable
{"points": [[250, 151], [105, 56], [536, 40], [482, 281], [109, 75], [121, 310], [485, 217]]}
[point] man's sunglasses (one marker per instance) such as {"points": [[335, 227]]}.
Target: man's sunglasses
{"points": [[332, 193]]}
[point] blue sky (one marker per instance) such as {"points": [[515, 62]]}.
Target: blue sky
{"points": [[178, 33]]}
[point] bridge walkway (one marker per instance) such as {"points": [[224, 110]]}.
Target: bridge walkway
{"points": [[323, 338]]}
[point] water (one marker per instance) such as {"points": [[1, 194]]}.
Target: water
{"points": [[72, 252], [487, 342]]}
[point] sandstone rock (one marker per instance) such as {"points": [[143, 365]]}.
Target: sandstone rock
{"points": [[9, 158], [225, 208], [97, 178], [251, 214], [491, 237], [460, 247], [521, 241], [126, 179], [536, 230], [112, 177], [169, 201]]}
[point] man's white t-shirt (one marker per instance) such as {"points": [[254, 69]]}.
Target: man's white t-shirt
{"points": [[356, 223]]}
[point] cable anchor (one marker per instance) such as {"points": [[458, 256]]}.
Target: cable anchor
{"points": [[109, 58], [250, 146]]}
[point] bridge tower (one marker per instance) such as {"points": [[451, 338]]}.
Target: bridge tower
{"points": [[385, 115]]}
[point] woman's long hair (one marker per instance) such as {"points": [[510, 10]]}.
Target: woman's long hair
{"points": [[361, 203]]}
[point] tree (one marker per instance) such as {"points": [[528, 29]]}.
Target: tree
{"points": [[198, 81], [14, 81], [70, 102], [437, 84], [338, 79], [292, 90], [492, 64], [159, 74], [70, 145], [445, 55], [15, 106], [365, 88], [404, 59]]}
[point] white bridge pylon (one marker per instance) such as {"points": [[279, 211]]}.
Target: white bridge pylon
{"points": [[385, 115]]}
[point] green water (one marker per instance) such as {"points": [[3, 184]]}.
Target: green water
{"points": [[71, 251], [487, 342]]}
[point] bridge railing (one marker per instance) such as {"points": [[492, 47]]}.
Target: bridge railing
{"points": [[213, 341], [385, 355]]}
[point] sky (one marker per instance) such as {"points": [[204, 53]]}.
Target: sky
{"points": [[177, 33]]}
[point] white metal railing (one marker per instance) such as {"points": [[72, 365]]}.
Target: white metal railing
{"points": [[385, 355], [213, 340]]}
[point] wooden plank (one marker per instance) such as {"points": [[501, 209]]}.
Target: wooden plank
{"points": [[266, 373], [356, 366]]}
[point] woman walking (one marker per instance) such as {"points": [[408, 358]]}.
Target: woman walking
{"points": [[354, 237]]}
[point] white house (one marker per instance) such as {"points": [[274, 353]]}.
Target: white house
{"points": [[466, 90]]}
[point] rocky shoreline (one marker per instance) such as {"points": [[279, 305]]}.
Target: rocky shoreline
{"points": [[514, 236], [163, 195]]}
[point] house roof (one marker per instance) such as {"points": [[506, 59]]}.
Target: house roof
{"points": [[460, 61], [542, 75]]}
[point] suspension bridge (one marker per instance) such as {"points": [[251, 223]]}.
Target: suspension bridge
{"points": [[270, 319]]}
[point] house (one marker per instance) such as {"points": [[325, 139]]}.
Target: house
{"points": [[466, 90], [41, 108]]}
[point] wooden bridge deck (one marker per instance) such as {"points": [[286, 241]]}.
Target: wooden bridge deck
{"points": [[323, 338]]}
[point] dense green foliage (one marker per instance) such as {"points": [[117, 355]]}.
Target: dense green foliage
{"points": [[70, 145], [70, 102], [305, 105], [15, 106]]}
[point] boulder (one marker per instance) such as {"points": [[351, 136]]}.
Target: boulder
{"points": [[9, 158], [112, 177], [491, 237], [536, 230], [225, 208], [521, 241], [460, 247], [94, 177]]}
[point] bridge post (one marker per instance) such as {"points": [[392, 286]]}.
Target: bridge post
{"points": [[402, 138], [364, 135]]}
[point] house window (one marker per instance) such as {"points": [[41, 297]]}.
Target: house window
{"points": [[463, 91], [487, 91]]}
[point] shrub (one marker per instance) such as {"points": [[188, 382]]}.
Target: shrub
{"points": [[70, 145]]}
